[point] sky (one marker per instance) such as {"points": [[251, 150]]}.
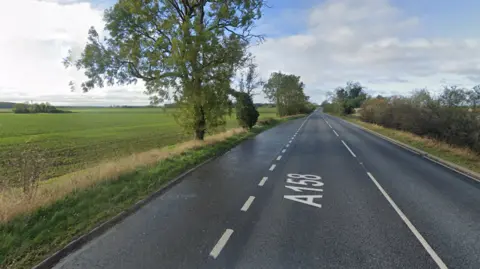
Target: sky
{"points": [[390, 46]]}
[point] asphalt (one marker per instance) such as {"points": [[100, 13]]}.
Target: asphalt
{"points": [[371, 205]]}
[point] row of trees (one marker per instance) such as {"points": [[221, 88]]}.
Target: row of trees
{"points": [[451, 116], [23, 108]]}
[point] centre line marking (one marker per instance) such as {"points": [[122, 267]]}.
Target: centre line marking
{"points": [[335, 133], [351, 152], [248, 203], [283, 150], [412, 228], [272, 167], [279, 157], [262, 182], [221, 243]]}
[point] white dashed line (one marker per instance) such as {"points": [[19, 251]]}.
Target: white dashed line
{"points": [[283, 150], [335, 133], [262, 182], [351, 152], [412, 228], [221, 243], [279, 157], [287, 145], [248, 203], [272, 167]]}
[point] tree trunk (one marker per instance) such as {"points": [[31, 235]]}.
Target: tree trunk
{"points": [[200, 123]]}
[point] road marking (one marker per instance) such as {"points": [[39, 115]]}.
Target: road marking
{"points": [[262, 182], [283, 150], [412, 228], [335, 133], [272, 167], [351, 152], [287, 145], [221, 243], [279, 157], [248, 203]]}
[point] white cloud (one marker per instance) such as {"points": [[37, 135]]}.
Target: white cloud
{"points": [[373, 42], [36, 36], [370, 41]]}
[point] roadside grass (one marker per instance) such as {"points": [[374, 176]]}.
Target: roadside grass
{"points": [[79, 140], [27, 239], [460, 156]]}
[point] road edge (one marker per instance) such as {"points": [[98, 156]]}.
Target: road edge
{"points": [[474, 176], [100, 229], [52, 260]]}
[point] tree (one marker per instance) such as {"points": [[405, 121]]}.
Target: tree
{"points": [[183, 50], [286, 91], [474, 97], [246, 112], [250, 80], [350, 97], [21, 108], [453, 96]]}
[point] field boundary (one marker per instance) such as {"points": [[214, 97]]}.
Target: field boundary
{"points": [[100, 229], [475, 177]]}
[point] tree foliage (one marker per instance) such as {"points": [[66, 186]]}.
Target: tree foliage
{"points": [[23, 108], [250, 79], [246, 112], [348, 98], [183, 50], [287, 92], [439, 118]]}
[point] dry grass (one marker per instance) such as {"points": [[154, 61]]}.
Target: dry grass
{"points": [[13, 202], [457, 155]]}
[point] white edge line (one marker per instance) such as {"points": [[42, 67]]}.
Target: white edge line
{"points": [[391, 140], [279, 157], [351, 152], [221, 243], [248, 203], [272, 167], [412, 228], [335, 133], [262, 182]]}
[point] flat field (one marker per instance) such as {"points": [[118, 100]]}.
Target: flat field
{"points": [[75, 141]]}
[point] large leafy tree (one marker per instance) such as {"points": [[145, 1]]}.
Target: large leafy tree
{"points": [[287, 92], [184, 50]]}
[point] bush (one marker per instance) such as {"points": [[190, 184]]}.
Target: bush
{"points": [[247, 114], [428, 117]]}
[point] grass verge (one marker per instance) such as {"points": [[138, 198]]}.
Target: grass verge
{"points": [[460, 156], [27, 239]]}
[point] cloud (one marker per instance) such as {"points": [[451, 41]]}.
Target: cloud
{"points": [[373, 42], [36, 36]]}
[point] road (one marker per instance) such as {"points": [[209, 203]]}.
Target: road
{"points": [[310, 193]]}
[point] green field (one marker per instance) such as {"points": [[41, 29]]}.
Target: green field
{"points": [[74, 141]]}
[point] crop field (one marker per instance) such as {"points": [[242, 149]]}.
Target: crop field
{"points": [[75, 141]]}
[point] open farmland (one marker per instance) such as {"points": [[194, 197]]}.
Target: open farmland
{"points": [[79, 140]]}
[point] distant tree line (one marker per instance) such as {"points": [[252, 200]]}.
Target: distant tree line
{"points": [[452, 116], [25, 108]]}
